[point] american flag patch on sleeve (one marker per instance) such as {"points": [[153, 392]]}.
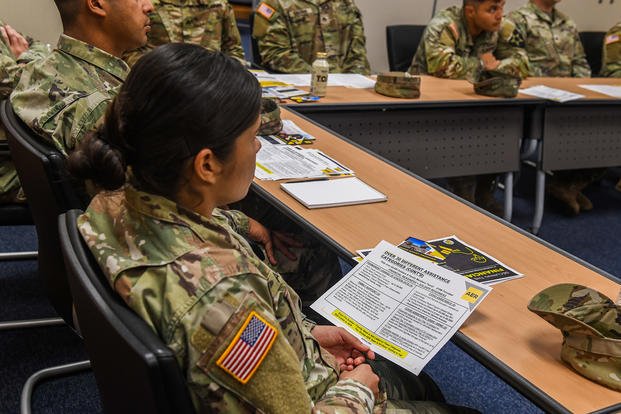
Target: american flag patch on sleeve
{"points": [[266, 11], [248, 349]]}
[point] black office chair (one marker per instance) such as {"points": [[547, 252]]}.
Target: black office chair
{"points": [[14, 215], [134, 369], [402, 42], [593, 43], [50, 191]]}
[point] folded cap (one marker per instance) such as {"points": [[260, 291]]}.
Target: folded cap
{"points": [[398, 85], [591, 327], [497, 85], [270, 117]]}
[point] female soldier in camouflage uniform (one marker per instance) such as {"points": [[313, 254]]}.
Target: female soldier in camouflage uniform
{"points": [[184, 124]]}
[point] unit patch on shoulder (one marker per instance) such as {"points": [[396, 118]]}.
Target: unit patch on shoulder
{"points": [[266, 10], [612, 39], [248, 349]]}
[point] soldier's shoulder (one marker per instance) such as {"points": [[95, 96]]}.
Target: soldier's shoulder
{"points": [[449, 18], [616, 29], [523, 13]]}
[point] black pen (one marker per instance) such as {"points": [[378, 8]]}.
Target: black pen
{"points": [[308, 180]]}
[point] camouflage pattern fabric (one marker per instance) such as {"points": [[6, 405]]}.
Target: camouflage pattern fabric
{"points": [[497, 85], [291, 32], [195, 281], [398, 85], [591, 327], [611, 54], [10, 70], [447, 49], [270, 117], [65, 95], [208, 23], [551, 42]]}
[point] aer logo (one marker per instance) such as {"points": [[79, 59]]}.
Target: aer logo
{"points": [[472, 295]]}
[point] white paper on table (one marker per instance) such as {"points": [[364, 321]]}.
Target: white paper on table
{"points": [[279, 162], [405, 307], [614, 91], [545, 92], [301, 79], [350, 80]]}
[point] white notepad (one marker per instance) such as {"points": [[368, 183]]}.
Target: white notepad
{"points": [[331, 193]]}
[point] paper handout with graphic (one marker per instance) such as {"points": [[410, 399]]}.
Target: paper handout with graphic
{"points": [[405, 307]]}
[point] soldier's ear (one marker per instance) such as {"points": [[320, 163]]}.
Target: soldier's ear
{"points": [[469, 10], [98, 7], [206, 167]]}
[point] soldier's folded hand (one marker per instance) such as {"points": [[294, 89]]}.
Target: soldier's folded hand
{"points": [[365, 375], [489, 61], [16, 42]]}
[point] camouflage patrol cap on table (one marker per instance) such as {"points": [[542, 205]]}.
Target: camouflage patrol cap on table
{"points": [[270, 117], [398, 85], [591, 327], [497, 85]]}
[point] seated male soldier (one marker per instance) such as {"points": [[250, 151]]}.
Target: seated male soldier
{"points": [[15, 51], [553, 46], [63, 96], [207, 23], [461, 43], [291, 32]]}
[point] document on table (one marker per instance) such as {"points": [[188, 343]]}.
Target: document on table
{"points": [[278, 162], [614, 91], [545, 92], [349, 80], [405, 307]]}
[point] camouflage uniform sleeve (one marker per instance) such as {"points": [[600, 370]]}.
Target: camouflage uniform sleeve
{"points": [[231, 39], [275, 385], [11, 68], [275, 42], [580, 67], [356, 60], [442, 58], [611, 56], [510, 51]]}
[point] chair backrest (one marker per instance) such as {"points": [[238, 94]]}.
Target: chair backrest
{"points": [[12, 214], [593, 43], [256, 56], [134, 369], [50, 191], [402, 42]]}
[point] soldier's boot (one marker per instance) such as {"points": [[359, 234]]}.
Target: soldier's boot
{"points": [[462, 187], [484, 194], [566, 193]]}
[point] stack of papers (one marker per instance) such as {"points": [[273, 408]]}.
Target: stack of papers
{"points": [[279, 162], [349, 80], [322, 192], [545, 92]]}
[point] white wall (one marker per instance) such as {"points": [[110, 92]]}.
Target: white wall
{"points": [[39, 18]]}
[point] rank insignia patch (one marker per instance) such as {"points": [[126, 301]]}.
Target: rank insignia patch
{"points": [[248, 349]]}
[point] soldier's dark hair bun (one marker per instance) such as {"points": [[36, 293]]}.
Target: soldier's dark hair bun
{"points": [[177, 100]]}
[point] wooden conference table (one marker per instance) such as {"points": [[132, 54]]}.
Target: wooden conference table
{"points": [[502, 334], [461, 133]]}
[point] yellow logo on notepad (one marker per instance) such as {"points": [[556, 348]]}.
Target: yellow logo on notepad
{"points": [[472, 295]]}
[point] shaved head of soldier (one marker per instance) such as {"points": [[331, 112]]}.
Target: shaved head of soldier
{"points": [[483, 15], [115, 26]]}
